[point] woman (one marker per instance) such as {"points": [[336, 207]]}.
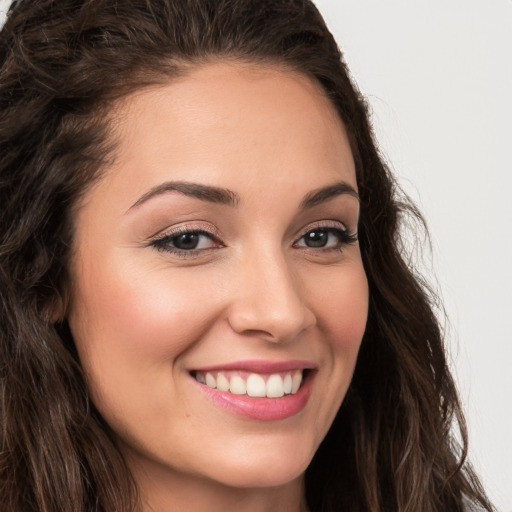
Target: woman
{"points": [[204, 301]]}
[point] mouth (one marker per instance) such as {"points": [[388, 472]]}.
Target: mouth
{"points": [[258, 390], [252, 384]]}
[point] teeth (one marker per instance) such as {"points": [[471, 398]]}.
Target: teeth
{"points": [[275, 388], [210, 380], [253, 384], [237, 385], [287, 384], [296, 382], [256, 385], [222, 382]]}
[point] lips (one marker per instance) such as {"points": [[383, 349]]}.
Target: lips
{"points": [[258, 390]]}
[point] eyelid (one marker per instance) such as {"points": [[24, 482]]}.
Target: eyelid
{"points": [[163, 240], [344, 236], [324, 224], [180, 229]]}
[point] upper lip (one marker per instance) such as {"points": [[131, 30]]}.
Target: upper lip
{"points": [[259, 366]]}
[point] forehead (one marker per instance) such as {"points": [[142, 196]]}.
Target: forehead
{"points": [[229, 124]]}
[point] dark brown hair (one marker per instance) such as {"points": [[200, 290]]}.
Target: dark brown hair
{"points": [[63, 64]]}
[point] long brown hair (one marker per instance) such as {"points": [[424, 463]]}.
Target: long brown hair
{"points": [[63, 63]]}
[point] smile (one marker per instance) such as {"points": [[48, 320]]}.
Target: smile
{"points": [[258, 390], [275, 385]]}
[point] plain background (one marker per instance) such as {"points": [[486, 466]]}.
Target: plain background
{"points": [[438, 76]]}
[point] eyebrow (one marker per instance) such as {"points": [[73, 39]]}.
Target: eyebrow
{"points": [[324, 194], [228, 197], [203, 192]]}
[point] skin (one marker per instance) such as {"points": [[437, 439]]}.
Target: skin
{"points": [[143, 317]]}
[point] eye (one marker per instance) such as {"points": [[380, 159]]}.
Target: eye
{"points": [[186, 241], [320, 238], [326, 237], [190, 241]]}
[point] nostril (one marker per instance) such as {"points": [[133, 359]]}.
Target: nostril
{"points": [[258, 333]]}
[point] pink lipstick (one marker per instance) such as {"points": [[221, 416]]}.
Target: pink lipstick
{"points": [[259, 390]]}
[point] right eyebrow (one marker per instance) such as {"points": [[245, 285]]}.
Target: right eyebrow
{"points": [[196, 190]]}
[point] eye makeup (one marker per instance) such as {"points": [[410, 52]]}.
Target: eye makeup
{"points": [[326, 235], [189, 241]]}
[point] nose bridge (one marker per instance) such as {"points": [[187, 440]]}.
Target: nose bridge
{"points": [[268, 299]]}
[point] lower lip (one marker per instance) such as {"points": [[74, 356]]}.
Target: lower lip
{"points": [[265, 409]]}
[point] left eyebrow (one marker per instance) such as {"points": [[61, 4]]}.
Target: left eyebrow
{"points": [[323, 194]]}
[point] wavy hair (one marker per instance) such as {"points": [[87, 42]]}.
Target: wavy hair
{"points": [[63, 64]]}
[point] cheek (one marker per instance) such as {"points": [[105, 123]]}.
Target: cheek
{"points": [[339, 297], [341, 307], [135, 312], [132, 329]]}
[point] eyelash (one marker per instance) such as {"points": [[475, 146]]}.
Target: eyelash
{"points": [[344, 236], [164, 242]]}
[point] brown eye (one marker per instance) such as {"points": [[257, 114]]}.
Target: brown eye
{"points": [[186, 241], [326, 238], [317, 238]]}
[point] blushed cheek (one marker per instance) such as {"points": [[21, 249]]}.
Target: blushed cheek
{"points": [[129, 333], [346, 312], [142, 316]]}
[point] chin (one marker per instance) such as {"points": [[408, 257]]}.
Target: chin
{"points": [[263, 471], [254, 478]]}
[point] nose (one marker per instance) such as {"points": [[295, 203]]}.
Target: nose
{"points": [[267, 300]]}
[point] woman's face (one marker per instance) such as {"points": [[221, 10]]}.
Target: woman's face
{"points": [[217, 262]]}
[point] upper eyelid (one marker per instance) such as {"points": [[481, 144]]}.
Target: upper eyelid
{"points": [[216, 235], [328, 223], [187, 228], [164, 242]]}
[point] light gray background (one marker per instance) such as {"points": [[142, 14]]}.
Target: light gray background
{"points": [[438, 75]]}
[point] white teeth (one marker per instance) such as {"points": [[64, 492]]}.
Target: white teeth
{"points": [[287, 384], [256, 385], [296, 381], [237, 385], [275, 386], [222, 382], [211, 381]]}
